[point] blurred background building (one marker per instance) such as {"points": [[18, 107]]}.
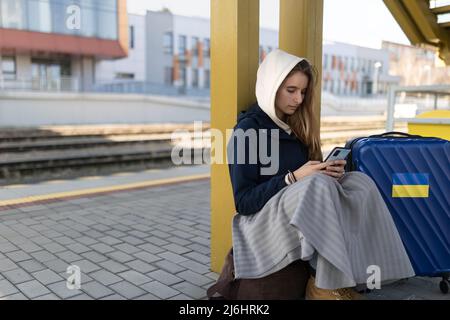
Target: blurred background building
{"points": [[416, 65], [169, 54], [157, 53], [56, 44], [108, 66], [350, 70]]}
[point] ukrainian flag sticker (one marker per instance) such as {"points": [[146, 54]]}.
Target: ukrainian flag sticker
{"points": [[410, 185]]}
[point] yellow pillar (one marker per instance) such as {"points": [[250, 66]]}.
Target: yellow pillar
{"points": [[234, 62], [301, 34]]}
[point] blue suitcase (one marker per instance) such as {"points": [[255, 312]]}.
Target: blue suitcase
{"points": [[413, 176]]}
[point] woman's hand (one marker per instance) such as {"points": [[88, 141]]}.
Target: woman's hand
{"points": [[309, 168], [335, 168]]}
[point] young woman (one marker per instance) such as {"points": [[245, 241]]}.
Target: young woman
{"points": [[304, 208]]}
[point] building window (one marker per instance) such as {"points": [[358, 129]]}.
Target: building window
{"points": [[194, 46], [94, 19], [90, 24], [131, 37], [324, 84], [206, 49], [12, 14], [181, 45], [207, 80], [39, 16], [124, 76], [168, 42], [9, 68], [325, 61], [195, 78], [106, 17], [50, 74], [168, 75], [183, 78], [369, 88], [341, 63]]}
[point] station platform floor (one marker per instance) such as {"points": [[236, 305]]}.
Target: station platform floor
{"points": [[142, 235]]}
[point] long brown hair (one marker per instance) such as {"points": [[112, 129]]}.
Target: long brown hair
{"points": [[304, 122]]}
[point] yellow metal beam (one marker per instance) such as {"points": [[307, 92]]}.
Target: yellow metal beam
{"points": [[420, 25], [405, 21], [234, 63], [441, 10], [444, 52], [425, 20], [301, 34]]}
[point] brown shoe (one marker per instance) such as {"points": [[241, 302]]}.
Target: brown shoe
{"points": [[352, 293], [315, 293]]}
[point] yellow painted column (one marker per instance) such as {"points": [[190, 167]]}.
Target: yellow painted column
{"points": [[301, 34], [234, 63]]}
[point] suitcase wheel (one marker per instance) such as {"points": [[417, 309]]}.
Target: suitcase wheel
{"points": [[443, 285]]}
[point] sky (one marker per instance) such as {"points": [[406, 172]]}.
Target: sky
{"points": [[368, 28]]}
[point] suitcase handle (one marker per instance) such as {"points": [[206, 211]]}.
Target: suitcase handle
{"points": [[395, 133], [349, 165]]}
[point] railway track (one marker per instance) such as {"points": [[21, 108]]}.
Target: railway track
{"points": [[69, 151]]}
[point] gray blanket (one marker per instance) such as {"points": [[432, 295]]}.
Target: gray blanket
{"points": [[343, 223]]}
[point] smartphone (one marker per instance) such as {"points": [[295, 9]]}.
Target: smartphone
{"points": [[338, 153]]}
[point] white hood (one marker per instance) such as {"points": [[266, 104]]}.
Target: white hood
{"points": [[271, 73]]}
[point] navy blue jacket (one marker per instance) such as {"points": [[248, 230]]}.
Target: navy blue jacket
{"points": [[251, 189]]}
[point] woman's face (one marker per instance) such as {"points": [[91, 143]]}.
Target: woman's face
{"points": [[290, 95]]}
